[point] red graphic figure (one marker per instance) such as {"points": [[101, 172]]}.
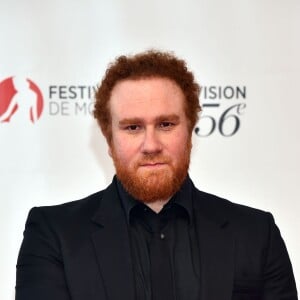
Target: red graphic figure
{"points": [[20, 100]]}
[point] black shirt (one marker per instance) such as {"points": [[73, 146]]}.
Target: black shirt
{"points": [[164, 247]]}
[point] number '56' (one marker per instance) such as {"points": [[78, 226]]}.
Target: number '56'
{"points": [[228, 124]]}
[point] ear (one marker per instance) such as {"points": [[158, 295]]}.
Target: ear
{"points": [[109, 151]]}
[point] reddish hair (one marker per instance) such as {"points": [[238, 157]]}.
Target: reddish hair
{"points": [[146, 65]]}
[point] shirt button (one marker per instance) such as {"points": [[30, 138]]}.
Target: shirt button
{"points": [[162, 236]]}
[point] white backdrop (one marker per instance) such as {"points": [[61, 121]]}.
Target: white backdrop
{"points": [[63, 47]]}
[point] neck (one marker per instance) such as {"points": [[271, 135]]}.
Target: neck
{"points": [[158, 205]]}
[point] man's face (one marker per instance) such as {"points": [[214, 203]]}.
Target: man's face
{"points": [[150, 143]]}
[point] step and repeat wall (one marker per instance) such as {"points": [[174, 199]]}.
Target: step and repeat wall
{"points": [[246, 146]]}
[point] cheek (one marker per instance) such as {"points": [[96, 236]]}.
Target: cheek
{"points": [[179, 144], [124, 149]]}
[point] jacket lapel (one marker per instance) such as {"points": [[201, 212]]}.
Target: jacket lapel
{"points": [[112, 245], [216, 244]]}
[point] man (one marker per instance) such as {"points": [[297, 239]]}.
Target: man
{"points": [[151, 234]]}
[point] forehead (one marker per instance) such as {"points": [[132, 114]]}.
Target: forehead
{"points": [[151, 96]]}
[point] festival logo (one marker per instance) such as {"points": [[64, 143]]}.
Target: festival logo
{"points": [[223, 109], [20, 100]]}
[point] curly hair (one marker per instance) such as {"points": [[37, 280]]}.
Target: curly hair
{"points": [[143, 65]]}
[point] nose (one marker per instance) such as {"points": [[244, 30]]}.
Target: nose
{"points": [[151, 142]]}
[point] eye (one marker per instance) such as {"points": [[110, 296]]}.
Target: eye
{"points": [[133, 127], [166, 125]]}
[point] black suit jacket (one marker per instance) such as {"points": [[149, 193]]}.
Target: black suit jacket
{"points": [[80, 251]]}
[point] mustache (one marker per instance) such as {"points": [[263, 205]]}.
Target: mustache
{"points": [[153, 158]]}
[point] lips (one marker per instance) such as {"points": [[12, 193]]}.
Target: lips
{"points": [[153, 162], [153, 165], [156, 164]]}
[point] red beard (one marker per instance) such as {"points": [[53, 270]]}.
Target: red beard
{"points": [[152, 185]]}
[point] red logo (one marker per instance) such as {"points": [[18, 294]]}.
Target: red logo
{"points": [[20, 99]]}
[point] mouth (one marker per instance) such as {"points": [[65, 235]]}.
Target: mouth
{"points": [[153, 165]]}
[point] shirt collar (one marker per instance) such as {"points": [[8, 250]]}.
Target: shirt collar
{"points": [[182, 198]]}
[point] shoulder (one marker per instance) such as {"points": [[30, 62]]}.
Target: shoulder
{"points": [[214, 203], [83, 205], [241, 217], [254, 230], [66, 217]]}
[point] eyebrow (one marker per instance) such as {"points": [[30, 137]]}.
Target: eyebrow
{"points": [[172, 118], [162, 118]]}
